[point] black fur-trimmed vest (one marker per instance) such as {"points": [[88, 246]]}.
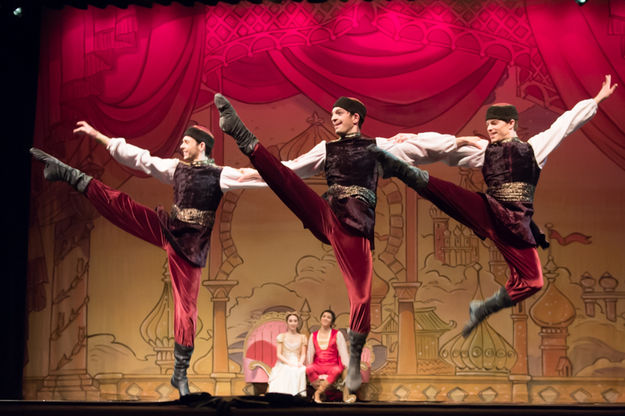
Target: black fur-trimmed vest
{"points": [[197, 194], [511, 174], [352, 177]]}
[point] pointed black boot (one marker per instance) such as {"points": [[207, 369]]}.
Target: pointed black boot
{"points": [[392, 166], [179, 379], [232, 125], [356, 343], [480, 309], [56, 170]]}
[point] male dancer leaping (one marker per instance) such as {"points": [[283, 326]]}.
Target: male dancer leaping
{"points": [[504, 213], [345, 216], [198, 186], [345, 220]]}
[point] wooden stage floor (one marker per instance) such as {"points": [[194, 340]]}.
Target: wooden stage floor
{"points": [[261, 405]]}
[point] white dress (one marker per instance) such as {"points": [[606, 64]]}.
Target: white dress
{"points": [[288, 379]]}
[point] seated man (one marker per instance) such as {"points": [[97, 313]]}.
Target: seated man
{"points": [[327, 357]]}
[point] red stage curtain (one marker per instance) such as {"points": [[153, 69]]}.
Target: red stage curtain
{"points": [[585, 44], [141, 72], [132, 72], [406, 87]]}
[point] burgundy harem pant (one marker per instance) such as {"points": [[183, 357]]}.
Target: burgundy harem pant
{"points": [[470, 209], [142, 222], [353, 252]]}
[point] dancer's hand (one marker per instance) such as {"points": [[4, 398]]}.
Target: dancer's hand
{"points": [[402, 137], [473, 141], [606, 89], [85, 129]]}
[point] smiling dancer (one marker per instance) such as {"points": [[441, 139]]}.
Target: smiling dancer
{"points": [[511, 169], [345, 219], [198, 186], [345, 216]]}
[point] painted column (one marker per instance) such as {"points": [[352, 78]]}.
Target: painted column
{"points": [[406, 354], [68, 378], [519, 373], [219, 290]]}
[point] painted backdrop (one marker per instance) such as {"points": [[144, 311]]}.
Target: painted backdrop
{"points": [[99, 303]]}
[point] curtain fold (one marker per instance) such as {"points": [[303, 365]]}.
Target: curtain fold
{"points": [[586, 44], [140, 73], [406, 87], [132, 73]]}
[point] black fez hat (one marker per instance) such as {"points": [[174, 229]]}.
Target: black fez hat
{"points": [[505, 112], [201, 134], [353, 106]]}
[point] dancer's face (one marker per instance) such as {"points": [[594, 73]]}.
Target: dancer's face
{"points": [[500, 130], [326, 320], [191, 149], [344, 122], [292, 323]]}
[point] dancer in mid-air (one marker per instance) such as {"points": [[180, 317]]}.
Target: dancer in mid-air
{"points": [[345, 216], [511, 169]]}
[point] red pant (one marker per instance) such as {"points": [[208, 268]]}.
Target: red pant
{"points": [[333, 371], [353, 252], [469, 208], [142, 222]]}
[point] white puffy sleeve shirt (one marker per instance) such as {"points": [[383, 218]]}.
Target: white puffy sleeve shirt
{"points": [[163, 169], [426, 148]]}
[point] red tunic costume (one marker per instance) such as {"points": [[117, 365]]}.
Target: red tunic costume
{"points": [[326, 360]]}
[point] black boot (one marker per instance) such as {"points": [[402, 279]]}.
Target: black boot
{"points": [[354, 378], [480, 309], [56, 170], [392, 166], [231, 124], [179, 379]]}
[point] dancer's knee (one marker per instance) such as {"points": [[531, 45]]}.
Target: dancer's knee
{"points": [[535, 287], [519, 293]]}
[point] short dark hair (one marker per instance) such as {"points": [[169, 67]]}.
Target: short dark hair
{"points": [[331, 312]]}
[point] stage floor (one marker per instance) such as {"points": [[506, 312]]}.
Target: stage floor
{"points": [[261, 405]]}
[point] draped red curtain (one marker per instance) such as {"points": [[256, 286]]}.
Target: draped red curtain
{"points": [[131, 73], [141, 72], [405, 86], [586, 43]]}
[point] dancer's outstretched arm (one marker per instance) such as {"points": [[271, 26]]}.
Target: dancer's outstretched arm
{"points": [[309, 164], [430, 147], [546, 142], [131, 156], [85, 129]]}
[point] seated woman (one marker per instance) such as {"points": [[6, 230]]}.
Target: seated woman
{"points": [[289, 374], [327, 357]]}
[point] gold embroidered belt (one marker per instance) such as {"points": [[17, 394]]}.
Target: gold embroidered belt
{"points": [[353, 191], [193, 216], [512, 192]]}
